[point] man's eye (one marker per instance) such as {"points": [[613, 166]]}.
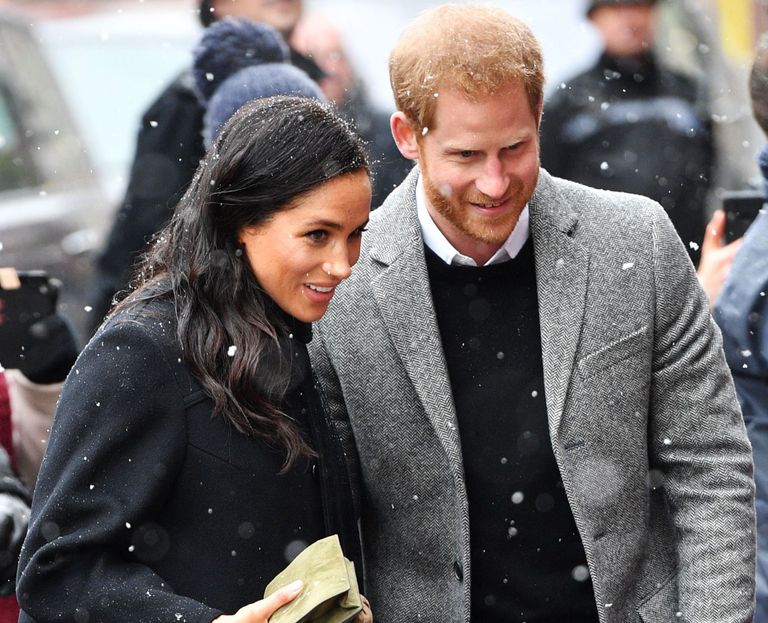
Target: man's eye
{"points": [[318, 235], [466, 153]]}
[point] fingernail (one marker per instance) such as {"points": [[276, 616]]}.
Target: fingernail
{"points": [[294, 587]]}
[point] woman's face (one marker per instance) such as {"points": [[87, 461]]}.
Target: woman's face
{"points": [[303, 252]]}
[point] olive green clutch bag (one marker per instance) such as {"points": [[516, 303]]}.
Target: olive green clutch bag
{"points": [[330, 593]]}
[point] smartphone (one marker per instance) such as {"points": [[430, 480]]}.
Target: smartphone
{"points": [[26, 298], [741, 208]]}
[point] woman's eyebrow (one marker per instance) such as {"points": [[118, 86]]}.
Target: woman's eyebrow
{"points": [[324, 223]]}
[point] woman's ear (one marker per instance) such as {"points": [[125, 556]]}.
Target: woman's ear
{"points": [[404, 135]]}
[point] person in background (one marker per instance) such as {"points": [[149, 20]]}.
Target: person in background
{"points": [[716, 256], [545, 424], [28, 396], [14, 517], [191, 458], [33, 391], [168, 150], [630, 124], [738, 273], [319, 39]]}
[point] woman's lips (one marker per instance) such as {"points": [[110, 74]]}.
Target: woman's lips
{"points": [[319, 293]]}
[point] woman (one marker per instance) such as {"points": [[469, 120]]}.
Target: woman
{"points": [[190, 458]]}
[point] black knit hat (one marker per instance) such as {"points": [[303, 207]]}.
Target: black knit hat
{"points": [[593, 4], [206, 13]]}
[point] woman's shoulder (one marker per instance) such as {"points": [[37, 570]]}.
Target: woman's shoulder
{"points": [[152, 320], [141, 337]]}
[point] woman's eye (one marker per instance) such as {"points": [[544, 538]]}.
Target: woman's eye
{"points": [[358, 232], [317, 235]]}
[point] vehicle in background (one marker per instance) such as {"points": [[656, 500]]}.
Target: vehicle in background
{"points": [[111, 60], [73, 86], [53, 211]]}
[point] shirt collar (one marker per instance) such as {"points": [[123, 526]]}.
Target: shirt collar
{"points": [[438, 243]]}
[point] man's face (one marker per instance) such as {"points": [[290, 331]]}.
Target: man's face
{"points": [[282, 15], [480, 163], [627, 29]]}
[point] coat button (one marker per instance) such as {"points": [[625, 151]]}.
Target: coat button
{"points": [[458, 571]]}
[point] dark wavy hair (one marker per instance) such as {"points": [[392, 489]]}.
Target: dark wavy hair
{"points": [[270, 153]]}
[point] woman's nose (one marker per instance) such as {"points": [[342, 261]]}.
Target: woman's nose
{"points": [[339, 266]]}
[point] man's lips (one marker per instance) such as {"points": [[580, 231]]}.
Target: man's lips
{"points": [[490, 207]]}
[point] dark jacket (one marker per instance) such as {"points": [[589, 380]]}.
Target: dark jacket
{"points": [[148, 509], [168, 150], [633, 126], [742, 314]]}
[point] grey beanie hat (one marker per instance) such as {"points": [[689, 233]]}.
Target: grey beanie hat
{"points": [[238, 61], [593, 4]]}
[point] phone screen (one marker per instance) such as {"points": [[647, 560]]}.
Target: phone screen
{"points": [[741, 208], [31, 299]]}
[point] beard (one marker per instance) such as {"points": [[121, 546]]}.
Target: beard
{"points": [[456, 210]]}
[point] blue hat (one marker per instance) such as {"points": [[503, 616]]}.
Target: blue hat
{"points": [[238, 61]]}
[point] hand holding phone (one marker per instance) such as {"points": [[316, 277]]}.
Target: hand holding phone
{"points": [[716, 256], [31, 334], [741, 207]]}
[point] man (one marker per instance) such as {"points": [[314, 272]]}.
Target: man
{"points": [[528, 371], [168, 150], [629, 124], [321, 41]]}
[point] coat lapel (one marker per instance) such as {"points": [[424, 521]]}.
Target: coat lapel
{"points": [[404, 298], [562, 269]]}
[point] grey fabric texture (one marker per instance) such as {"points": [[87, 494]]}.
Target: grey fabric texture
{"points": [[643, 418]]}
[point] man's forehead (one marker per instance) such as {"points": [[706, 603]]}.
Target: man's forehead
{"points": [[454, 105]]}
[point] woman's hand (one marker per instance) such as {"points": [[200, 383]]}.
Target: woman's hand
{"points": [[716, 257], [260, 611], [365, 615]]}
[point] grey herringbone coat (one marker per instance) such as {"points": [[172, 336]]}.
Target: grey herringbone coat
{"points": [[642, 414]]}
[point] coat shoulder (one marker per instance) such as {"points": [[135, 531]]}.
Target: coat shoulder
{"points": [[143, 337], [601, 212]]}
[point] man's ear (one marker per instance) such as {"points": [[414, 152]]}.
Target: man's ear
{"points": [[404, 135]]}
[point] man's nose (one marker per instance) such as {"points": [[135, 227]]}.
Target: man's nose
{"points": [[493, 181]]}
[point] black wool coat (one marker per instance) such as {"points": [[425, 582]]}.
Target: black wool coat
{"points": [[148, 509]]}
